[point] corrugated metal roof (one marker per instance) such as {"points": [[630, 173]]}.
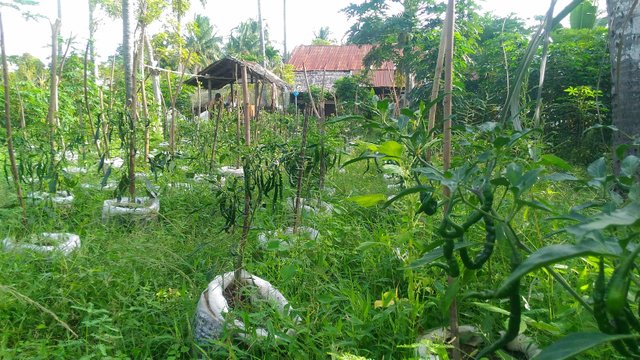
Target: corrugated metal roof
{"points": [[347, 58], [331, 57], [382, 78]]}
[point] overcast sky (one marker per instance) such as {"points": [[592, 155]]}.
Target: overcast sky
{"points": [[304, 18]]}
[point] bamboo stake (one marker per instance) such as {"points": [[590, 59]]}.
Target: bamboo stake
{"points": [[323, 165], [448, 105], [215, 136], [297, 213], [247, 178], [23, 122], [435, 87], [245, 103], [306, 80], [105, 125], [86, 99]]}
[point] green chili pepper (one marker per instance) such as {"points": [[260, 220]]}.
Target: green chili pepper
{"points": [[489, 244], [618, 287], [513, 327], [599, 307]]}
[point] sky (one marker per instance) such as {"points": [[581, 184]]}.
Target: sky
{"points": [[304, 18]]}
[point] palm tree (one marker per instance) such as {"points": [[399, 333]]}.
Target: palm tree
{"points": [[203, 41], [322, 37], [244, 41], [625, 57]]}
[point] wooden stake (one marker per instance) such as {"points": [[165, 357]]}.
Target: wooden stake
{"points": [[448, 105], [245, 102], [306, 80], [297, 213], [435, 88]]}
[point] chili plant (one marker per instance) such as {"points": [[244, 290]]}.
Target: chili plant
{"points": [[611, 235]]}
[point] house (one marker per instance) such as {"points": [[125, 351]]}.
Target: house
{"points": [[328, 63]]}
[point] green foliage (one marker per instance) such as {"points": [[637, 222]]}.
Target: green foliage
{"points": [[584, 15], [351, 90], [244, 43], [323, 37], [577, 94], [203, 41]]}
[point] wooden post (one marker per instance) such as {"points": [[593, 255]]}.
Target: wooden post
{"points": [[231, 98], [306, 80], [245, 103]]}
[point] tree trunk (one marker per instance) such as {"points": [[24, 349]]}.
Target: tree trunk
{"points": [[143, 92], [129, 83], [92, 31], [53, 94], [7, 115], [58, 35], [155, 77], [285, 56], [624, 30], [127, 49], [262, 44]]}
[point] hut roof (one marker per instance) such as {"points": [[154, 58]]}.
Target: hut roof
{"points": [[344, 58], [228, 70]]}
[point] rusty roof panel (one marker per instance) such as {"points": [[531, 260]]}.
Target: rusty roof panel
{"points": [[382, 78], [331, 57]]}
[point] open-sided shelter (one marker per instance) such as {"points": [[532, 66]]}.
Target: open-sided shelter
{"points": [[228, 71]]}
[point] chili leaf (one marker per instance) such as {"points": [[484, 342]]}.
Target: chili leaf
{"points": [[554, 254], [577, 343], [626, 216], [368, 200], [549, 159], [434, 255]]}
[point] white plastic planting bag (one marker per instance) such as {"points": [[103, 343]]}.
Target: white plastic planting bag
{"points": [[65, 243], [212, 306], [144, 209]]}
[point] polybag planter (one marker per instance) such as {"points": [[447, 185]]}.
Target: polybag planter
{"points": [[68, 155], [231, 171], [115, 162], [75, 170], [213, 306], [282, 235], [202, 178], [143, 209], [111, 185], [64, 243], [311, 206], [62, 198], [181, 186], [441, 335]]}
